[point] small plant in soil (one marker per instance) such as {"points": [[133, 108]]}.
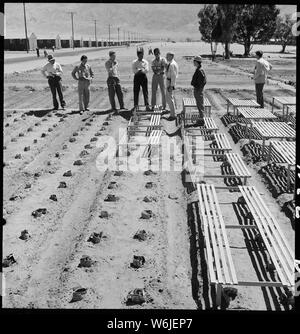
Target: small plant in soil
{"points": [[78, 294], [53, 197], [78, 163], [71, 140], [9, 261], [24, 235], [86, 262], [94, 139], [18, 156], [83, 153], [67, 173], [111, 198], [104, 214], [149, 185], [146, 214], [140, 235], [62, 185], [88, 146], [95, 238], [43, 135], [135, 297], [21, 134], [138, 261], [39, 212], [27, 148]]}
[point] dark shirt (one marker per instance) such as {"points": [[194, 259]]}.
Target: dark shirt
{"points": [[199, 78]]}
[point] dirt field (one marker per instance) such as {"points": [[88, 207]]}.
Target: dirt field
{"points": [[174, 275]]}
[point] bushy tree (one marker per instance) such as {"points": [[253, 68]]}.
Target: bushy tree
{"points": [[283, 32], [207, 21], [254, 24], [227, 15]]}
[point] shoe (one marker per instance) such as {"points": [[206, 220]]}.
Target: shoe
{"points": [[87, 109], [171, 118], [55, 109], [81, 112]]}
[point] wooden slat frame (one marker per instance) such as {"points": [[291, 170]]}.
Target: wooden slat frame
{"points": [[271, 234]]}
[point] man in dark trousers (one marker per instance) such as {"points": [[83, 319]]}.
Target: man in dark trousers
{"points": [[140, 68], [53, 72], [262, 67], [37, 52], [113, 82], [199, 81]]}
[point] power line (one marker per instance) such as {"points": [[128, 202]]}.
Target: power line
{"points": [[96, 32], [72, 20], [25, 27], [109, 35]]}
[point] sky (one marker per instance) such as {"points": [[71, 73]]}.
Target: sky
{"points": [[47, 20]]}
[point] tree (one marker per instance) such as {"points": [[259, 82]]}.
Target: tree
{"points": [[283, 32], [254, 24], [227, 15], [207, 21]]}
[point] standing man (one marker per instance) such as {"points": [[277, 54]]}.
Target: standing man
{"points": [[84, 78], [45, 52], [113, 81], [37, 52], [159, 65], [53, 48], [53, 72], [140, 68], [262, 67], [171, 74], [199, 81]]}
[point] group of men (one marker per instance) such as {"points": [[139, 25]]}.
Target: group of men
{"points": [[165, 72]]}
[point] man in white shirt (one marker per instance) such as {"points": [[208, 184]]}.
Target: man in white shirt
{"points": [[113, 82], [53, 71], [171, 75], [84, 77], [262, 67], [140, 68]]}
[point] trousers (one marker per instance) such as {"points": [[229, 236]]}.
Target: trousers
{"points": [[140, 80], [259, 94], [158, 80], [84, 94], [55, 86], [114, 88], [171, 101], [198, 94]]}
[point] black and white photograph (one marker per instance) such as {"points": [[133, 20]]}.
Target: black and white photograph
{"points": [[149, 158]]}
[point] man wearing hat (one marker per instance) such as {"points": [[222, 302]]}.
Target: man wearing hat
{"points": [[171, 76], [140, 68], [113, 81], [53, 71], [198, 82], [84, 77], [262, 67]]}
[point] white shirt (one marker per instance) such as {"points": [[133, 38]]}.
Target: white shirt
{"points": [[172, 73], [261, 70], [140, 65], [52, 69]]}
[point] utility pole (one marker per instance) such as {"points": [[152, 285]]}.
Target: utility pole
{"points": [[72, 15], [25, 27], [118, 35], [128, 34], [124, 36], [109, 35], [96, 32]]}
